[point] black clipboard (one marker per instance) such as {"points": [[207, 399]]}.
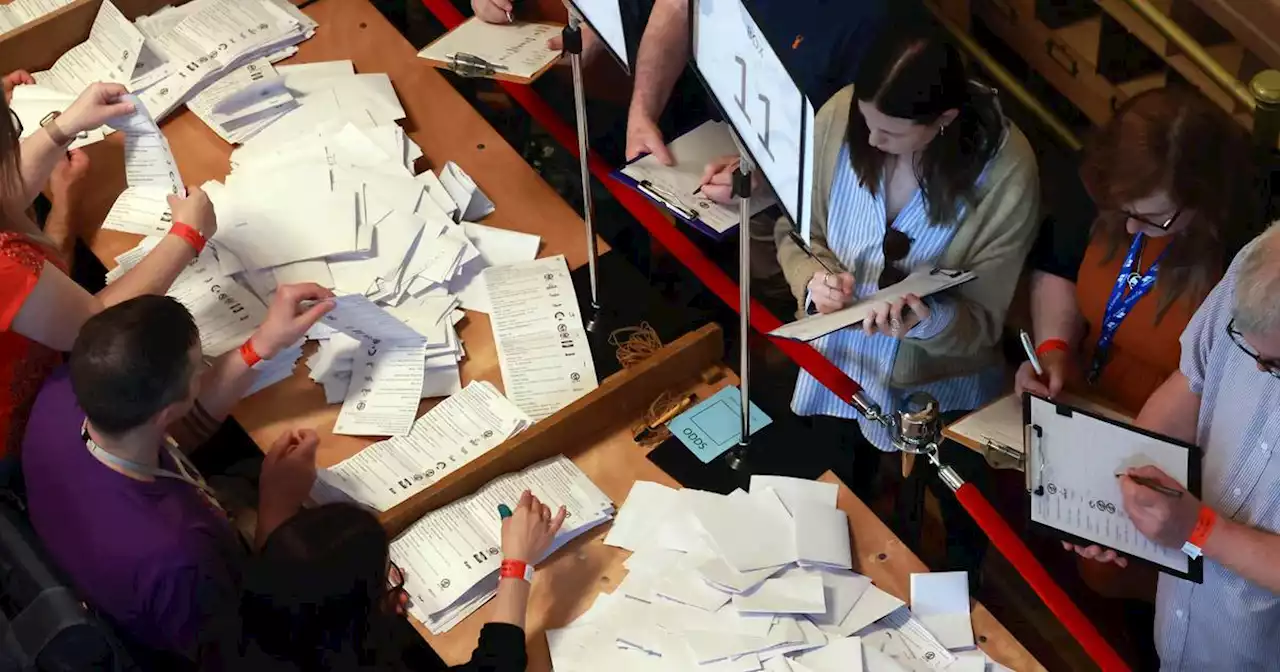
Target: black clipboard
{"points": [[1037, 488]]}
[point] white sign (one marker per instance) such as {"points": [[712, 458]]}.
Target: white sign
{"points": [[759, 98], [605, 17]]}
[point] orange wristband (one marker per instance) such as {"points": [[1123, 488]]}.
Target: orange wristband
{"points": [[1051, 345], [516, 569], [1204, 525], [248, 354], [193, 237]]}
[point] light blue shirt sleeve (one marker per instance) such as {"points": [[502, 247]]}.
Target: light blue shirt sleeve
{"points": [[1206, 327], [941, 312]]}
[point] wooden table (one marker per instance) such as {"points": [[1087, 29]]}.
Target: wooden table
{"points": [[568, 583], [440, 120]]}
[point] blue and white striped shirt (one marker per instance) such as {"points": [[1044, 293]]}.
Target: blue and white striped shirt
{"points": [[1226, 623], [855, 234]]}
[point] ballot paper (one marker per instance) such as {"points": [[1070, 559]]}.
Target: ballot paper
{"points": [[498, 247], [542, 346], [921, 283], [110, 54], [647, 505], [677, 186], [226, 312], [792, 491], [841, 655], [19, 12], [736, 524], [903, 637], [386, 384], [450, 435], [357, 316], [243, 102], [795, 592], [472, 203], [941, 601], [1000, 422], [519, 48], [456, 549], [150, 172], [821, 534]]}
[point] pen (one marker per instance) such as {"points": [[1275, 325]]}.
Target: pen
{"points": [[795, 237], [509, 18], [665, 417], [1154, 485], [1031, 352], [698, 191]]}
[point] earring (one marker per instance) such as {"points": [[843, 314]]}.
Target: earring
{"points": [[943, 130]]}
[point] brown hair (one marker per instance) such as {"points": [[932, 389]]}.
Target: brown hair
{"points": [[1175, 140], [13, 216]]}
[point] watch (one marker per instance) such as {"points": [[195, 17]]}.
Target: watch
{"points": [[50, 126]]}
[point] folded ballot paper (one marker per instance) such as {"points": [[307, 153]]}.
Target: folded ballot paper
{"points": [[19, 12], [751, 581], [452, 555]]}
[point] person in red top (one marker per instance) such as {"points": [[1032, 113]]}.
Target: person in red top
{"points": [[41, 307]]}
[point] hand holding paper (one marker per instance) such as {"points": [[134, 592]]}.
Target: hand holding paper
{"points": [[97, 104], [288, 319], [528, 533]]}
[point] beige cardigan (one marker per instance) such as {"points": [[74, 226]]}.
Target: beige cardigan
{"points": [[992, 240]]}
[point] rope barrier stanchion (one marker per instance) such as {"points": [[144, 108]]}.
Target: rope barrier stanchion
{"points": [[719, 283]]}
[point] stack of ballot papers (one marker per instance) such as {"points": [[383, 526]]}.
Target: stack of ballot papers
{"points": [[746, 582], [452, 555], [446, 438], [14, 14]]}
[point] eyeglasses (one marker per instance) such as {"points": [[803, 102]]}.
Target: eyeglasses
{"points": [[1271, 366], [896, 245], [1163, 226], [17, 122]]}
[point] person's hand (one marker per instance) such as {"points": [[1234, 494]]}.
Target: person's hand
{"points": [[493, 11], [195, 210], [643, 137], [288, 472], [892, 320], [13, 80], [1166, 520], [590, 44], [528, 533], [1096, 552], [1055, 363], [93, 108], [288, 319], [830, 293], [717, 179], [66, 176]]}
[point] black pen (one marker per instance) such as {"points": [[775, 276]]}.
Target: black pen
{"points": [[1154, 485]]}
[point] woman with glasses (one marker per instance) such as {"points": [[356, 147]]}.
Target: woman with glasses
{"points": [[1172, 180], [915, 168], [41, 307], [323, 596]]}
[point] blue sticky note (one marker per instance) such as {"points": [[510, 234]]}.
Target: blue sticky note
{"points": [[715, 424]]}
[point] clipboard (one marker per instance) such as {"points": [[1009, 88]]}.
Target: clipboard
{"points": [[495, 51], [920, 283], [1072, 458]]}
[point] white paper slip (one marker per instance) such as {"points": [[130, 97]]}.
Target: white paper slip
{"points": [[542, 346], [142, 211], [647, 505], [357, 316], [941, 601], [439, 196], [1000, 422], [791, 593], [791, 489], [226, 312], [710, 647], [821, 534], [472, 203], [519, 48], [875, 660], [910, 638], [687, 588], [386, 385], [676, 185], [840, 655], [873, 605], [109, 54], [921, 283], [718, 573], [737, 523]]}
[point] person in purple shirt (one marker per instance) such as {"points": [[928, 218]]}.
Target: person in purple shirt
{"points": [[119, 507]]}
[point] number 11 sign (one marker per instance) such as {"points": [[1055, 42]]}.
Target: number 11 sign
{"points": [[759, 98]]}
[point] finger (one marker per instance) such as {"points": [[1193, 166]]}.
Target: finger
{"points": [[1066, 545], [846, 283], [895, 317], [120, 109], [558, 521], [917, 306], [504, 5], [555, 44], [526, 500], [1055, 384], [882, 318], [174, 200], [869, 323], [1091, 552], [721, 179], [546, 512], [1155, 473], [24, 77], [307, 291], [718, 193], [1107, 556], [661, 153], [317, 311], [1033, 386], [1122, 562]]}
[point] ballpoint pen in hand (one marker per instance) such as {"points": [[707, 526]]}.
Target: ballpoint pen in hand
{"points": [[1031, 352], [1154, 485]]}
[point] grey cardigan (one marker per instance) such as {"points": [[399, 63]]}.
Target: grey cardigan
{"points": [[992, 240]]}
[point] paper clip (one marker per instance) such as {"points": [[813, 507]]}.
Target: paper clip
{"points": [[1035, 477], [470, 65], [653, 191]]}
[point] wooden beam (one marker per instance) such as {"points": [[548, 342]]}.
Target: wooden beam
{"points": [[619, 399]]}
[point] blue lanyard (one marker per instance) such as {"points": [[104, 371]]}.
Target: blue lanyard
{"points": [[1131, 285]]}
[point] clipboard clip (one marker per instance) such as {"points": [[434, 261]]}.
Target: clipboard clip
{"points": [[1000, 456], [1035, 477], [470, 65], [664, 197]]}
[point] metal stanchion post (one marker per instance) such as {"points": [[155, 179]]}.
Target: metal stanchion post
{"points": [[573, 46], [742, 190]]}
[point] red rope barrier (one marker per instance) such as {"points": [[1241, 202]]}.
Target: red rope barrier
{"points": [[715, 279], [1034, 573]]}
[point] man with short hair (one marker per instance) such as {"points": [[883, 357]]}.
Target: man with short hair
{"points": [[117, 504], [1225, 399]]}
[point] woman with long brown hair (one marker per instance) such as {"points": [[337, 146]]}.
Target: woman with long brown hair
{"points": [[41, 307], [1172, 179]]}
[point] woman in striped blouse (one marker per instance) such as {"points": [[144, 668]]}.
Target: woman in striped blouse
{"points": [[916, 168]]}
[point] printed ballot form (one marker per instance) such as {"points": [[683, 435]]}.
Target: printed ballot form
{"points": [[110, 54], [150, 172], [519, 48], [542, 346]]}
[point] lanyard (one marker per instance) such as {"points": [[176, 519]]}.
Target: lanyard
{"points": [[1131, 285], [187, 471]]}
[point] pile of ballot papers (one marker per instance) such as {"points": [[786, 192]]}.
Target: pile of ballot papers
{"points": [[755, 581], [452, 555], [14, 14]]}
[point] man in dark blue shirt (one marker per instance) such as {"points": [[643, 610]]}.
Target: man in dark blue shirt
{"points": [[820, 42]]}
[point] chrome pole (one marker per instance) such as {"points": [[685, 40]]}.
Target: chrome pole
{"points": [[573, 46]]}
